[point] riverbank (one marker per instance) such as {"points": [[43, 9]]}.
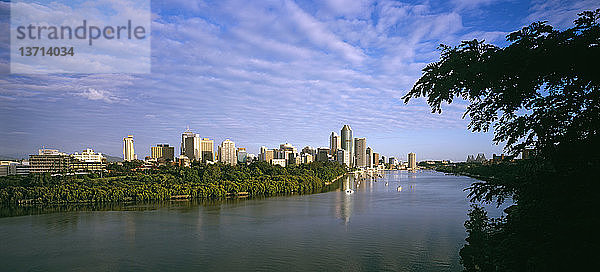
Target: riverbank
{"points": [[199, 181]]}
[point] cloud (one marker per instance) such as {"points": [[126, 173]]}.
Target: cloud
{"points": [[559, 13], [103, 95]]}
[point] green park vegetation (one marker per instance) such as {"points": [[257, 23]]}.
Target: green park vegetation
{"points": [[167, 182], [540, 91]]}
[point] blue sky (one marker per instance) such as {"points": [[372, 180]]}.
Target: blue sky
{"points": [[269, 72]]}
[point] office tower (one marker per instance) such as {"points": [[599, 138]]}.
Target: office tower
{"points": [[128, 151], [360, 149], [369, 157], [207, 147], [190, 146], [227, 152], [163, 152], [343, 157], [285, 151], [334, 143], [375, 159], [322, 154], [88, 161], [262, 154], [242, 155], [412, 161], [50, 161], [347, 142]]}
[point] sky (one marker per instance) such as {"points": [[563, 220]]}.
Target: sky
{"points": [[270, 72]]}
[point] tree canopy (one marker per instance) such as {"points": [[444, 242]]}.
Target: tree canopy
{"points": [[541, 90]]}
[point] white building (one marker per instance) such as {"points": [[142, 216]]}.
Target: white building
{"points": [[412, 161], [343, 157], [227, 152], [128, 151], [280, 162], [191, 145]]}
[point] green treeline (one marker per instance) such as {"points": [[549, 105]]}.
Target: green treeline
{"points": [[165, 182]]}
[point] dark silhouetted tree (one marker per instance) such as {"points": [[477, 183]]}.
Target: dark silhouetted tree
{"points": [[542, 90]]}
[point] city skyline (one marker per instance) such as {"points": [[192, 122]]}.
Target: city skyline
{"points": [[241, 72]]}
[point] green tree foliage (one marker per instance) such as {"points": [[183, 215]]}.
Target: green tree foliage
{"points": [[163, 183], [542, 90]]}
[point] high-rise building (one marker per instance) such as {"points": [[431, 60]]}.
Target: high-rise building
{"points": [[285, 151], [392, 161], [369, 152], [266, 154], [227, 152], [190, 145], [307, 158], [322, 154], [412, 161], [343, 157], [163, 152], [375, 159], [128, 151], [347, 142], [360, 149], [242, 155], [207, 147], [335, 143]]}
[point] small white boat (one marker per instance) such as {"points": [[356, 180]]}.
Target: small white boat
{"points": [[349, 191], [399, 188]]}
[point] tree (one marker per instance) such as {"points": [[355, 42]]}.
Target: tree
{"points": [[542, 90]]}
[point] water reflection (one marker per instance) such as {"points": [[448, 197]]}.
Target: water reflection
{"points": [[377, 228]]}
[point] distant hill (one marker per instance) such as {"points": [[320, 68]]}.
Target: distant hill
{"points": [[110, 158], [13, 157]]}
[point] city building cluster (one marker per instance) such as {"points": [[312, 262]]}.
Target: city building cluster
{"points": [[343, 148]]}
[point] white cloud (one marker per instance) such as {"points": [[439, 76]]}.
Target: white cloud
{"points": [[103, 95]]}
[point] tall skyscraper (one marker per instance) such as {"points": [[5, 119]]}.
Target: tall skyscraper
{"points": [[335, 143], [369, 157], [163, 152], [347, 142], [375, 159], [412, 161], [227, 152], [207, 147], [128, 151], [190, 145], [360, 149]]}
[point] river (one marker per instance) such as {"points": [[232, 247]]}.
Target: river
{"points": [[399, 222]]}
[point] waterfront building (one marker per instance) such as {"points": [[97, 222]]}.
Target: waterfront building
{"points": [[207, 148], [266, 154], [128, 150], [285, 151], [49, 161], [369, 157], [347, 142], [88, 161], [360, 149], [375, 159], [343, 157], [190, 145], [242, 155], [322, 154], [412, 161], [335, 143], [162, 152], [227, 152], [299, 160], [393, 161], [280, 162]]}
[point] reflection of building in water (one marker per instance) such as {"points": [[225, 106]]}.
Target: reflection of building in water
{"points": [[344, 201]]}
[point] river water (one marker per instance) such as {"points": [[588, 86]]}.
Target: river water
{"points": [[399, 222]]}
